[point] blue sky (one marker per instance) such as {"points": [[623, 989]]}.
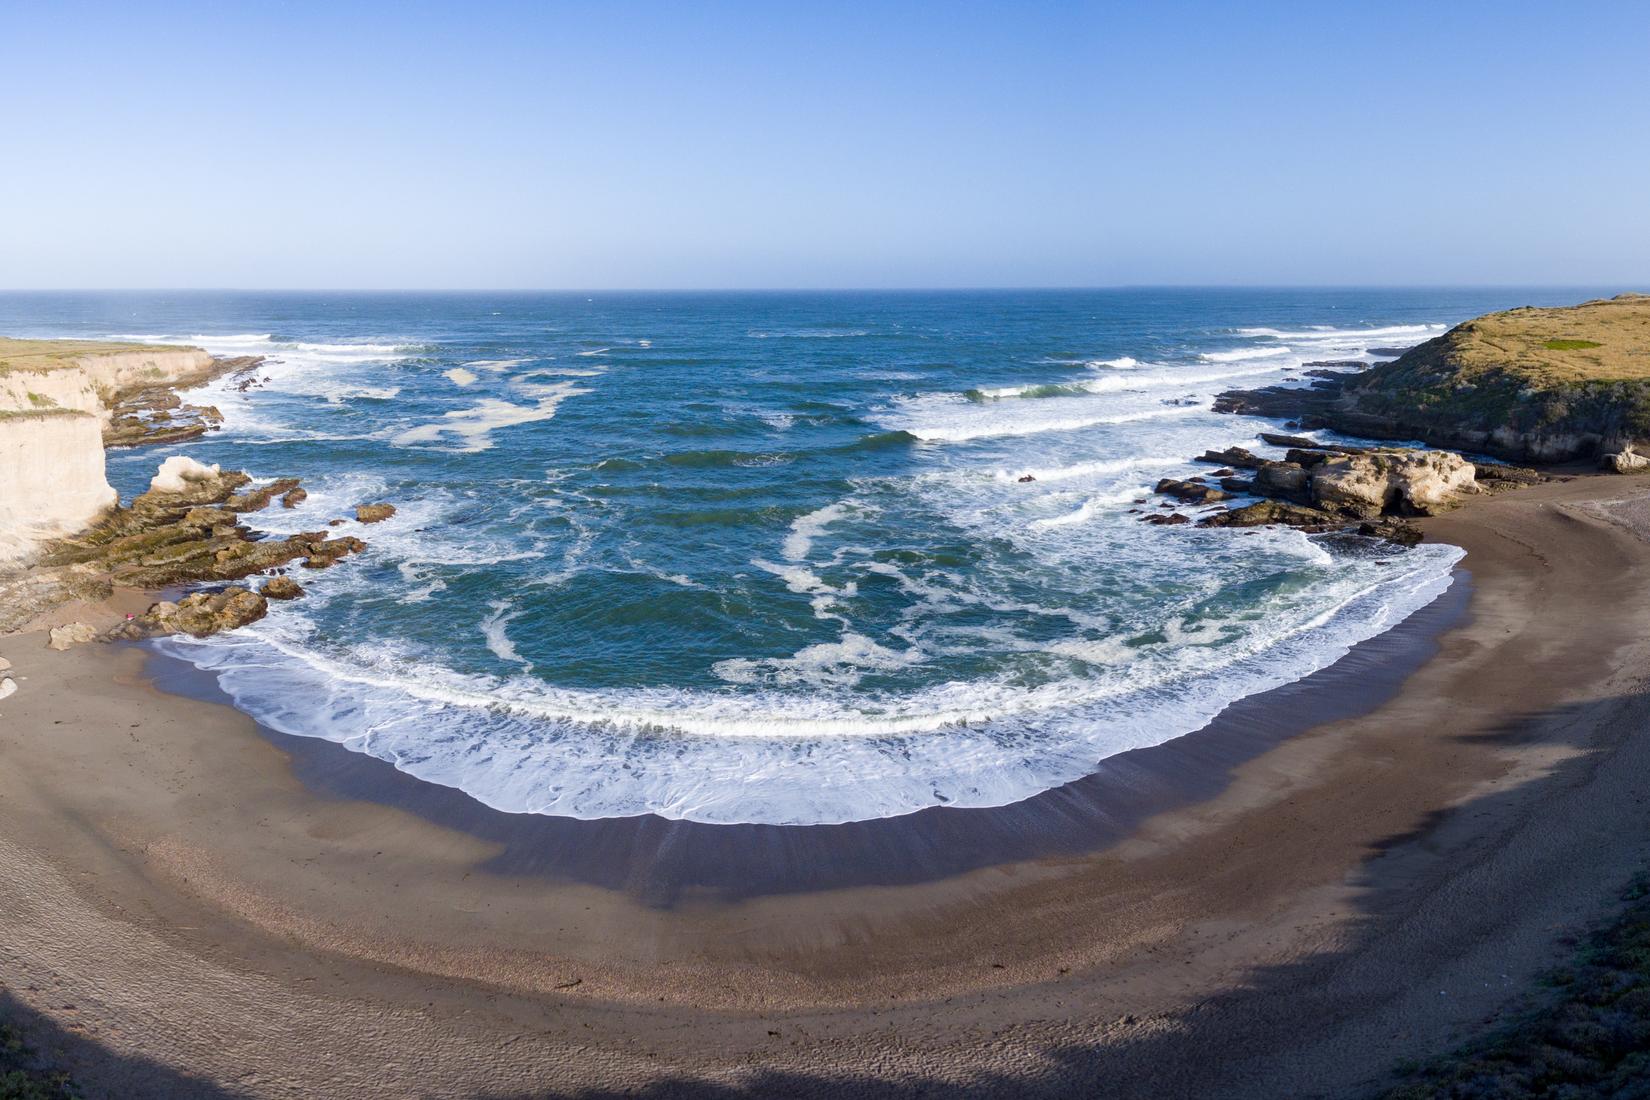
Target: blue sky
{"points": [[786, 145]]}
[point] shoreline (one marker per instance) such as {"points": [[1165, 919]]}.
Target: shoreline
{"points": [[1296, 922], [657, 860]]}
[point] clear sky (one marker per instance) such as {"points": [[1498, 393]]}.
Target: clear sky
{"points": [[779, 144]]}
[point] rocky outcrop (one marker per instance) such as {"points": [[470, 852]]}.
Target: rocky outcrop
{"points": [[1323, 487], [164, 538], [1398, 483], [1527, 385], [1194, 491], [199, 615]]}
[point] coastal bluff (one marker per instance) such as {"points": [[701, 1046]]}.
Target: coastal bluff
{"points": [[57, 401], [1527, 385]]}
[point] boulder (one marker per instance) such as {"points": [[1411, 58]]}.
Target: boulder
{"points": [[1400, 482], [281, 588], [1188, 490], [1172, 519], [373, 513], [294, 497], [8, 686], [1625, 462], [73, 634]]}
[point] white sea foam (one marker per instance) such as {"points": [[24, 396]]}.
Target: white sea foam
{"points": [[458, 376], [1238, 355], [804, 529], [498, 366], [1092, 469], [493, 630], [1343, 334], [475, 425], [1134, 380], [959, 428]]}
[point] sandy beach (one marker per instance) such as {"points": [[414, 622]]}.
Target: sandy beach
{"points": [[198, 908]]}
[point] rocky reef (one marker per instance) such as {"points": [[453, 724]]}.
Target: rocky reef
{"points": [[186, 529], [1526, 385], [66, 540]]}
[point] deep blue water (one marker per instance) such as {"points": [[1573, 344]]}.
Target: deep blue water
{"points": [[769, 556]]}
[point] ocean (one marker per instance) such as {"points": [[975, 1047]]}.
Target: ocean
{"points": [[780, 558]]}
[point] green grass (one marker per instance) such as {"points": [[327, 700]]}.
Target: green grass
{"points": [[1606, 340]]}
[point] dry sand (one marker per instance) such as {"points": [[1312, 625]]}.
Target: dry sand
{"points": [[185, 915]]}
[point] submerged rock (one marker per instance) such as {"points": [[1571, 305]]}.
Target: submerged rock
{"points": [[1172, 519], [294, 497]]}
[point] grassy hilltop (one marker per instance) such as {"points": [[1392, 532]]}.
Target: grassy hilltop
{"points": [[1538, 384]]}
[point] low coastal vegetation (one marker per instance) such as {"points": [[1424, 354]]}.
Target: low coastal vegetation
{"points": [[24, 1076], [40, 356], [1588, 1034]]}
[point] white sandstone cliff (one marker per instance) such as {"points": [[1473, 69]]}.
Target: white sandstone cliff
{"points": [[52, 411]]}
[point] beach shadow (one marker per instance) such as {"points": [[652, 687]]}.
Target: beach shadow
{"points": [[53, 1048], [1505, 880]]}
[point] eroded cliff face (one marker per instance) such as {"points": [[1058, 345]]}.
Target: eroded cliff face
{"points": [[54, 404]]}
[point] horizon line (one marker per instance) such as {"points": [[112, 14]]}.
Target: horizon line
{"points": [[1032, 288]]}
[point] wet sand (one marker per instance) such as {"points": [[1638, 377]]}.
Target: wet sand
{"points": [[1343, 873]]}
